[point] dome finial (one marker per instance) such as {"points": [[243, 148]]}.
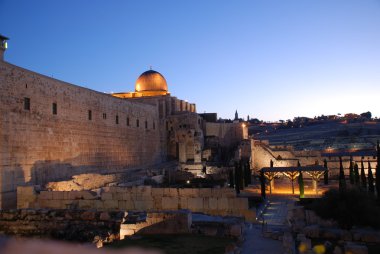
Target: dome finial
{"points": [[150, 67]]}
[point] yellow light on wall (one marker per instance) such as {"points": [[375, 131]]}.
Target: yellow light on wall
{"points": [[5, 45]]}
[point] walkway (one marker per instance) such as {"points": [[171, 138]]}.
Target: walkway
{"points": [[275, 217]]}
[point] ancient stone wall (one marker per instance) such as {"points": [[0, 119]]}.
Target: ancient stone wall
{"points": [[74, 225], [227, 133], [51, 130], [214, 201]]}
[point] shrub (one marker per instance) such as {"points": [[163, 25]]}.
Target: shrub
{"points": [[349, 208]]}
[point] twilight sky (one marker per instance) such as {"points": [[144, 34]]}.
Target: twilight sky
{"points": [[270, 59]]}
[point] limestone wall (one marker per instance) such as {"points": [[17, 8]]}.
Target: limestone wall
{"points": [[74, 225], [214, 201], [227, 133], [37, 146]]}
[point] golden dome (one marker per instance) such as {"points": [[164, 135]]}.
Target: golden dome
{"points": [[151, 81]]}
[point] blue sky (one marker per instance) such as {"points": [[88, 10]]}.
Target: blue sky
{"points": [[268, 59]]}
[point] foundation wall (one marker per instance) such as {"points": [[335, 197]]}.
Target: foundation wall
{"points": [[221, 201], [89, 132]]}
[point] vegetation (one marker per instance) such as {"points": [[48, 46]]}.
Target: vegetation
{"points": [[363, 177], [349, 208], [356, 175], [301, 185], [326, 173], [342, 180], [352, 177], [371, 188]]}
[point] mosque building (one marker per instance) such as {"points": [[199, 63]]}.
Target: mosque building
{"points": [[51, 130]]}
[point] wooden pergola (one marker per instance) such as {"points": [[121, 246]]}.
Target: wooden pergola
{"points": [[315, 172]]}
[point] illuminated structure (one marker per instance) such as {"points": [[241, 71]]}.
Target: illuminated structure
{"points": [[150, 83], [51, 130]]}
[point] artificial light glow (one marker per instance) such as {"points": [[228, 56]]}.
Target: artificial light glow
{"points": [[188, 181], [5, 44]]}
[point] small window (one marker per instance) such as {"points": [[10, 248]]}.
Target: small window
{"points": [[146, 124], [167, 126], [127, 121], [137, 123], [90, 115], [54, 108], [154, 125], [104, 116], [27, 103], [117, 119]]}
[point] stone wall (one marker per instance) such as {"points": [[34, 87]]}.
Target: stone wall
{"points": [[164, 222], [228, 133], [37, 146], [214, 201], [74, 225]]}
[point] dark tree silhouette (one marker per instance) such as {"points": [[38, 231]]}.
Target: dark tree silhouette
{"points": [[342, 180], [352, 177], [356, 175], [237, 178], [326, 173], [363, 177], [371, 188], [301, 185], [231, 178]]}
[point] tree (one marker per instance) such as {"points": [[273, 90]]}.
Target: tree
{"points": [[326, 173], [262, 182], [363, 177], [371, 188], [378, 170], [237, 178], [342, 180], [301, 185], [352, 178], [231, 178], [241, 175], [356, 175], [250, 172]]}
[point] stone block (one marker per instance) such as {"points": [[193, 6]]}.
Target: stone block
{"points": [[127, 196], [205, 192], [99, 205], [169, 203], [223, 204], [195, 204], [87, 195], [183, 203], [126, 232], [58, 195], [111, 204], [249, 215], [104, 216], [144, 205], [46, 195], [74, 195], [157, 203], [106, 196], [240, 203], [86, 204], [157, 192], [213, 203]]}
